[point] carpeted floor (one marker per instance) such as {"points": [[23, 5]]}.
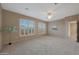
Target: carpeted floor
{"points": [[45, 45]]}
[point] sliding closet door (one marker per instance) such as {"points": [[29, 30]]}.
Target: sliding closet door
{"points": [[0, 29]]}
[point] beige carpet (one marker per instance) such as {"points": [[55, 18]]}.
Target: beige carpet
{"points": [[45, 45]]}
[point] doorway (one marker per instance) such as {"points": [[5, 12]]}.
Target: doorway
{"points": [[72, 30]]}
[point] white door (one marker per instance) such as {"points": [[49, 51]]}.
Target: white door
{"points": [[73, 31]]}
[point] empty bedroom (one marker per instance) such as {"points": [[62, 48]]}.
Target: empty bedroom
{"points": [[39, 28]]}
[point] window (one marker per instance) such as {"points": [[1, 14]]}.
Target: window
{"points": [[41, 28], [27, 27]]}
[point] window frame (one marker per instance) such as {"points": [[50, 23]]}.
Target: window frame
{"points": [[28, 34]]}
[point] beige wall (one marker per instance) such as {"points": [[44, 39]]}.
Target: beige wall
{"points": [[62, 26], [11, 18], [0, 28]]}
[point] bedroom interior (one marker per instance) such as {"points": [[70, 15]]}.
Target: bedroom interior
{"points": [[39, 28]]}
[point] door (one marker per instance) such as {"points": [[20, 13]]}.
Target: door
{"points": [[78, 31], [0, 29], [73, 30]]}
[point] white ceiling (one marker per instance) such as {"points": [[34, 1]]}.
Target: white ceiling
{"points": [[40, 10]]}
